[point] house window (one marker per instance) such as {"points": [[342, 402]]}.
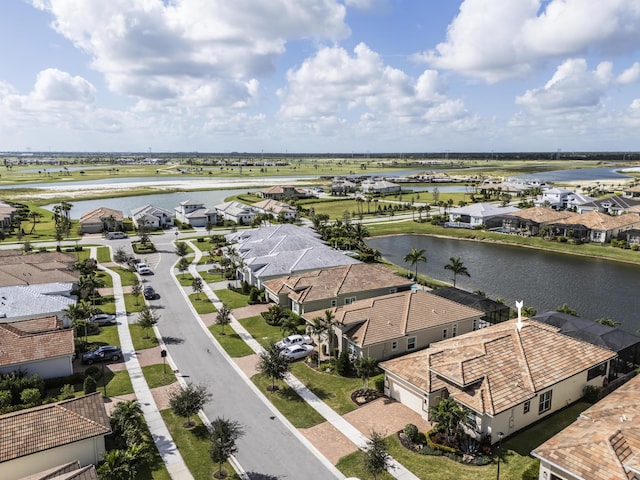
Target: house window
{"points": [[444, 333], [349, 300], [475, 325], [597, 371], [454, 330], [527, 406], [411, 343], [393, 290], [334, 303], [545, 402], [394, 345]]}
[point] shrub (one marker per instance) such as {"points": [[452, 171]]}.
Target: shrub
{"points": [[436, 446], [67, 391], [532, 472], [5, 398], [379, 385], [93, 371], [343, 364], [591, 393], [30, 396], [411, 431], [254, 296], [89, 385]]}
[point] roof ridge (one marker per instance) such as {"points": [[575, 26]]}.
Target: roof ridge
{"points": [[344, 278], [405, 313], [520, 348]]}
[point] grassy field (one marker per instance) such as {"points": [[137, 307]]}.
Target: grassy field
{"points": [[232, 299], [230, 341], [202, 304]]}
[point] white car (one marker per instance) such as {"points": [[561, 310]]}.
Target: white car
{"points": [[103, 319], [292, 340], [296, 352], [143, 269]]}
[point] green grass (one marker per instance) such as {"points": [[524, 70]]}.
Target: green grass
{"points": [[130, 303], [158, 375], [105, 278], [232, 299], [289, 403], [261, 330], [193, 445], [127, 277], [184, 279], [138, 335], [230, 341], [119, 383], [202, 304], [107, 335], [212, 277], [103, 254], [331, 388]]}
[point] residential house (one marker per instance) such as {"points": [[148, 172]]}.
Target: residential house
{"points": [[7, 214], [152, 217], [554, 197], [602, 444], [614, 205], [101, 219], [527, 222], [494, 312], [236, 212], [476, 214], [574, 199], [37, 346], [342, 186], [631, 236], [595, 226], [631, 192], [54, 434], [38, 268], [379, 187], [19, 302], [283, 192], [68, 471], [194, 213], [330, 287], [398, 323], [508, 375], [277, 209]]}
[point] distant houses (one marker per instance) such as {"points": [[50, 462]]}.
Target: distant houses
{"points": [[101, 219], [152, 216], [195, 214]]}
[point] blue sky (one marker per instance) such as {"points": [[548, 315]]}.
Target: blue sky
{"points": [[326, 76]]}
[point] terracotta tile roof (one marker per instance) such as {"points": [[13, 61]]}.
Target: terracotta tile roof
{"points": [[50, 267], [69, 471], [35, 325], [274, 206], [604, 442], [98, 214], [20, 342], [33, 430], [331, 282], [396, 315], [498, 367], [600, 221], [541, 214]]}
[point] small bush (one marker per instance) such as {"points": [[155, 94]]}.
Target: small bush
{"points": [[93, 371], [379, 385], [591, 393], [59, 382], [89, 385], [343, 364], [30, 396], [66, 392], [200, 239], [532, 472], [411, 431]]}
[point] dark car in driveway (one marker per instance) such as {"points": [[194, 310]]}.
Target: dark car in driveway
{"points": [[102, 354]]}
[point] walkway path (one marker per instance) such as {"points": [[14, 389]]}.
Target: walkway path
{"points": [[159, 432], [342, 425]]}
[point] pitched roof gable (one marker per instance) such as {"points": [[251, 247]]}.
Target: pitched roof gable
{"points": [[21, 343], [98, 214], [33, 430], [595, 220]]}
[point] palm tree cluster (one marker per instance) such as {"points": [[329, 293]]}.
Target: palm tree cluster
{"points": [[62, 221], [344, 234]]}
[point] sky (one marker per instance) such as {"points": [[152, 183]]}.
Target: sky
{"points": [[319, 76]]}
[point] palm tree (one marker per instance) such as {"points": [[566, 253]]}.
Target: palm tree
{"points": [[366, 367], [457, 267], [317, 328], [325, 325], [35, 217], [416, 255]]}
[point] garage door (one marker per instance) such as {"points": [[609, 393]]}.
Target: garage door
{"points": [[405, 396]]}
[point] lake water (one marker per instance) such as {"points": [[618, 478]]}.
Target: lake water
{"points": [[594, 287], [576, 175]]}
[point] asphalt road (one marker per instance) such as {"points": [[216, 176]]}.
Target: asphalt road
{"points": [[268, 450]]}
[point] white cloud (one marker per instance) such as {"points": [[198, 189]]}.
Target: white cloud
{"points": [[499, 39], [52, 85], [159, 50], [630, 75]]}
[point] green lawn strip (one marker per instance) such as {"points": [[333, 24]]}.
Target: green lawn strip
{"points": [[232, 299], [105, 278], [211, 277], [142, 339], [331, 388], [430, 467], [202, 304], [103, 254], [107, 335], [133, 304], [207, 259], [158, 375], [261, 330], [127, 277], [193, 444], [184, 279], [289, 403], [118, 383], [154, 470], [230, 341]]}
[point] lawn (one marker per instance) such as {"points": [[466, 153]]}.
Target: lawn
{"points": [[138, 335], [193, 445], [184, 279], [211, 277], [158, 375], [232, 299], [202, 304], [103, 254], [127, 277], [331, 388], [132, 303], [261, 330], [107, 335], [230, 341], [288, 402]]}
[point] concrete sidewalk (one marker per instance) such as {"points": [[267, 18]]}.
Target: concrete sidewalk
{"points": [[159, 432], [396, 469]]}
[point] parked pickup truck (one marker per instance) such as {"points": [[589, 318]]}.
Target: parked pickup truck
{"points": [[143, 269]]}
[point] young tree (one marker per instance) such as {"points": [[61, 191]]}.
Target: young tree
{"points": [[272, 364], [376, 456], [120, 256], [290, 324], [448, 416], [136, 289], [414, 257], [182, 249], [366, 367], [223, 317], [183, 265], [197, 286], [325, 325], [224, 435], [147, 318], [457, 267], [188, 401]]}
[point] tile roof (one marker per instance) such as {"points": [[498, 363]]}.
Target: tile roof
{"points": [[36, 268], [34, 430], [39, 299], [604, 442], [274, 206], [331, 282], [396, 315], [541, 214], [498, 367], [595, 220], [290, 261], [21, 343], [98, 214]]}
